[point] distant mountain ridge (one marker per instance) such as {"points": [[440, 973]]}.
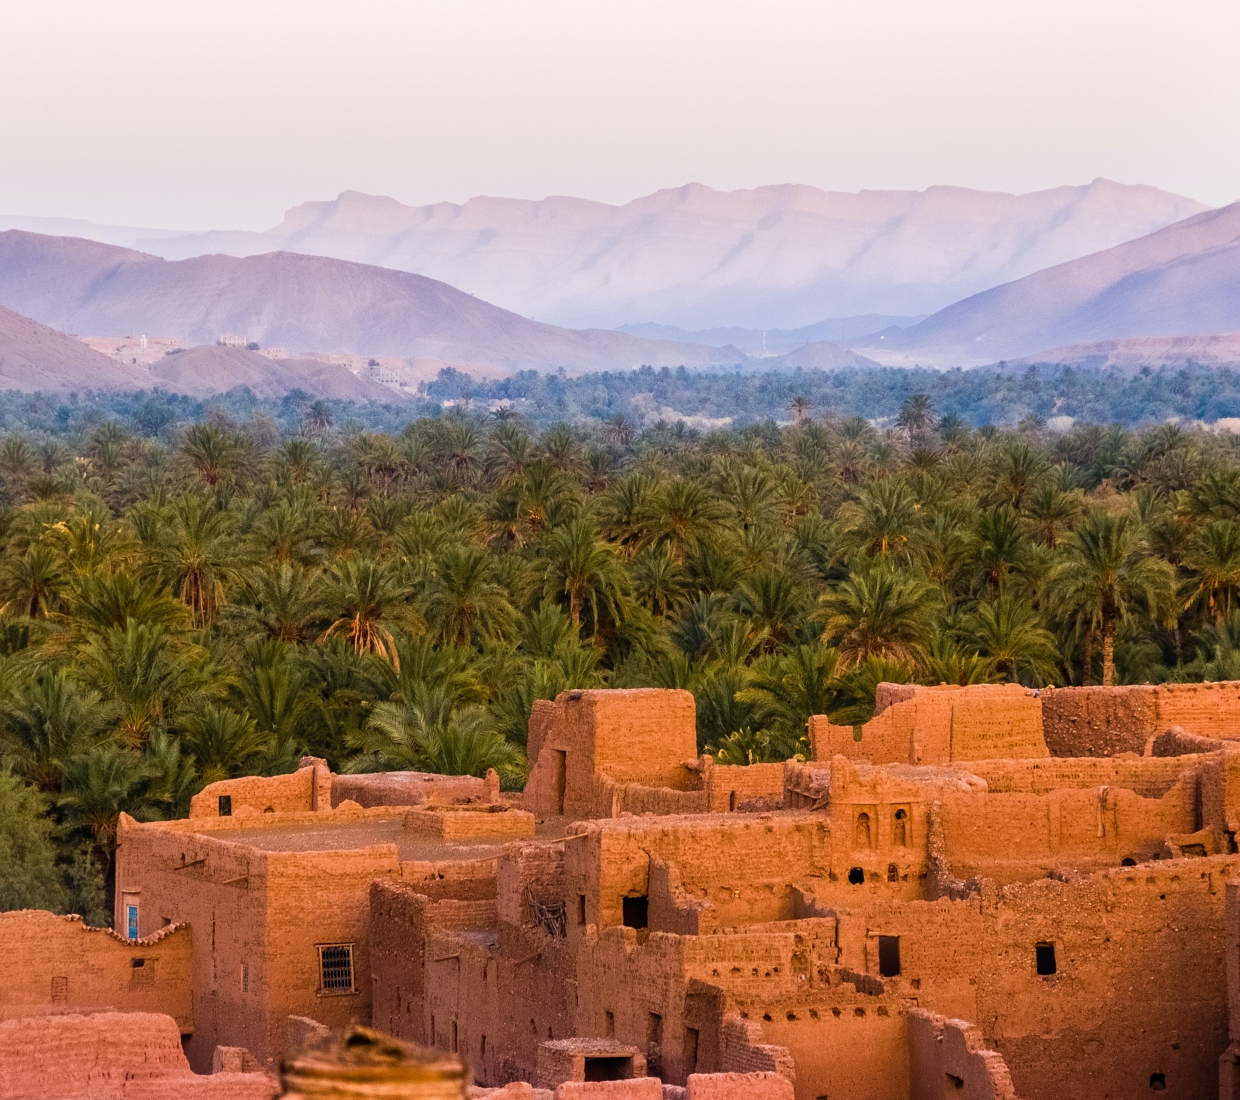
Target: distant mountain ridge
{"points": [[303, 303], [1183, 279], [771, 257]]}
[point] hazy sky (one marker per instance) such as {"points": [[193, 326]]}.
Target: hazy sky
{"points": [[221, 113]]}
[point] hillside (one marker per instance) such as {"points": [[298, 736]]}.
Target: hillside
{"points": [[35, 357], [771, 257], [820, 355], [303, 303], [209, 369], [1180, 280], [1137, 352]]}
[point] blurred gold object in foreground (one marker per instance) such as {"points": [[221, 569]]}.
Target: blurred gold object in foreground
{"points": [[364, 1064]]}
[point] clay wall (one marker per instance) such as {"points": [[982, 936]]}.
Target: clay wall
{"points": [[1150, 777], [258, 918], [949, 1058], [400, 922], [57, 964], [643, 736], [308, 788], [1138, 989], [729, 786], [110, 1056], [1018, 836], [1099, 721], [918, 725], [778, 853], [414, 789]]}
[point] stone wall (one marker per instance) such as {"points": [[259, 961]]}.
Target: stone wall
{"points": [[948, 1058]]}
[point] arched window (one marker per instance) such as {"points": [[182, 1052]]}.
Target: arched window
{"points": [[899, 829], [863, 830]]}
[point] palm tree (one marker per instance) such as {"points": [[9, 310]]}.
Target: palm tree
{"points": [[286, 601], [462, 602], [214, 456], [624, 511], [1000, 547], [48, 723], [200, 556], [878, 612], [949, 662], [659, 583], [883, 520], [1215, 559], [581, 566], [358, 591], [799, 406], [1106, 577], [1050, 512], [318, 418], [32, 583], [223, 742], [788, 688], [916, 414], [681, 513], [1021, 468], [1018, 648], [771, 600], [102, 600], [619, 431]]}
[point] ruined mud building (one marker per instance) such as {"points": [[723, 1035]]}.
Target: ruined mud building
{"points": [[984, 891]]}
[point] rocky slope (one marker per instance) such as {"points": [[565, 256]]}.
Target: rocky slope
{"points": [[34, 357]]}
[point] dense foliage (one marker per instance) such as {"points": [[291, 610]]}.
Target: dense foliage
{"points": [[172, 613], [645, 395]]}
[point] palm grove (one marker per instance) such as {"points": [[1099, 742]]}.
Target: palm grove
{"points": [[222, 600]]}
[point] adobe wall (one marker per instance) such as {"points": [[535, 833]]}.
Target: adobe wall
{"points": [[730, 786], [1017, 836], [931, 725], [57, 964], [643, 736], [949, 1057], [308, 788], [1139, 987], [110, 1056], [1100, 721], [415, 789], [257, 917]]}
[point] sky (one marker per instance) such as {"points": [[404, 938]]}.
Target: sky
{"points": [[190, 114]]}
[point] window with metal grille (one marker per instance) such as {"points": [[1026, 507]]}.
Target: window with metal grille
{"points": [[336, 967]]}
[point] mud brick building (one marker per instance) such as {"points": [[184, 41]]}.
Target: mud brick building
{"points": [[984, 891]]}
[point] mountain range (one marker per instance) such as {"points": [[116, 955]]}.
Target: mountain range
{"points": [[767, 258], [302, 303], [1184, 279]]}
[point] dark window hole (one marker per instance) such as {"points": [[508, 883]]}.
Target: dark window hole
{"points": [[636, 912], [1045, 956], [856, 876]]}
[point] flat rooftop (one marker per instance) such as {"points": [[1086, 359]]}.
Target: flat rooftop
{"points": [[343, 836]]}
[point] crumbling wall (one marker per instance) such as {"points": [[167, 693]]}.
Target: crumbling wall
{"points": [[401, 919], [110, 1056], [919, 725], [308, 788], [414, 789], [948, 1058], [729, 786], [1015, 836], [55, 964], [1101, 721]]}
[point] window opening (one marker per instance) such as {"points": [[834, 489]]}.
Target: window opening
{"points": [[889, 956], [245, 977], [893, 873], [1158, 1081], [1127, 861], [453, 1036], [60, 990], [225, 805], [336, 967], [691, 1048], [955, 1082], [856, 876], [581, 908], [732, 802], [636, 912], [609, 1024], [1045, 957], [131, 921]]}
